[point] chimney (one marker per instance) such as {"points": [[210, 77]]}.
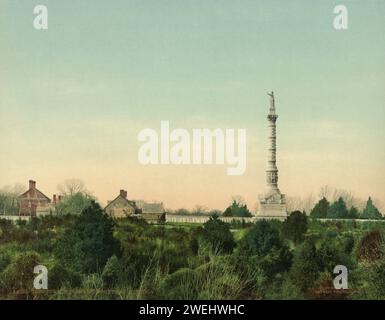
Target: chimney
{"points": [[54, 199], [123, 193], [32, 184]]}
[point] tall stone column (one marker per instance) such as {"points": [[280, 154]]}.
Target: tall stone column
{"points": [[272, 170], [272, 204]]}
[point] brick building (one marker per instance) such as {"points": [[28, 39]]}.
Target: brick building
{"points": [[33, 202]]}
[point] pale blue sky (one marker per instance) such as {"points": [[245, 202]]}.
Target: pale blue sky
{"points": [[73, 97]]}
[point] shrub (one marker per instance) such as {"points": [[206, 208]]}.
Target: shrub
{"points": [[295, 226], [216, 236], [181, 285], [111, 273], [87, 246], [5, 260], [18, 275], [305, 269]]}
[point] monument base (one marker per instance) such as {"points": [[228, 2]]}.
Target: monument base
{"points": [[272, 211], [272, 205]]}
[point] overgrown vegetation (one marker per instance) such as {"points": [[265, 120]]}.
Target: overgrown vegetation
{"points": [[90, 256]]}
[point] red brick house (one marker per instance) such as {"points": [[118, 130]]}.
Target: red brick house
{"points": [[33, 202]]}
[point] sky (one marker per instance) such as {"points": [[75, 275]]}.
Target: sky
{"points": [[73, 98]]}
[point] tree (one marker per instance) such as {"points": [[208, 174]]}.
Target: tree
{"points": [[87, 245], [332, 194], [216, 236], [353, 213], [71, 186], [260, 239], [199, 210], [236, 209], [370, 211], [74, 203], [338, 210], [182, 212], [320, 210], [263, 247], [9, 199], [295, 226], [305, 269]]}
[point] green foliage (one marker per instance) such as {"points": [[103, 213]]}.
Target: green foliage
{"points": [[353, 213], [86, 247], [74, 204], [377, 281], [320, 210], [370, 211], [5, 260], [59, 277], [181, 285], [216, 236], [305, 269], [237, 210], [112, 272], [370, 279], [295, 226], [90, 257], [332, 253], [338, 210], [263, 246], [217, 279], [260, 239], [18, 275]]}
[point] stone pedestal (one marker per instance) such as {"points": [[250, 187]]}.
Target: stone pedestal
{"points": [[272, 205]]}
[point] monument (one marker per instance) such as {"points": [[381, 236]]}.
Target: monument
{"points": [[272, 204]]}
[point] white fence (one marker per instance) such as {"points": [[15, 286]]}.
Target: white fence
{"points": [[203, 219], [15, 218]]}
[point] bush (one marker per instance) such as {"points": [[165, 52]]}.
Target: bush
{"points": [[216, 236], [305, 269], [215, 280], [86, 247], [111, 273], [295, 226], [59, 277], [181, 285], [263, 247], [5, 260], [18, 275], [260, 239]]}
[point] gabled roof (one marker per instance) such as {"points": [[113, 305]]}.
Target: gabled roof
{"points": [[38, 192], [147, 207], [129, 202]]}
